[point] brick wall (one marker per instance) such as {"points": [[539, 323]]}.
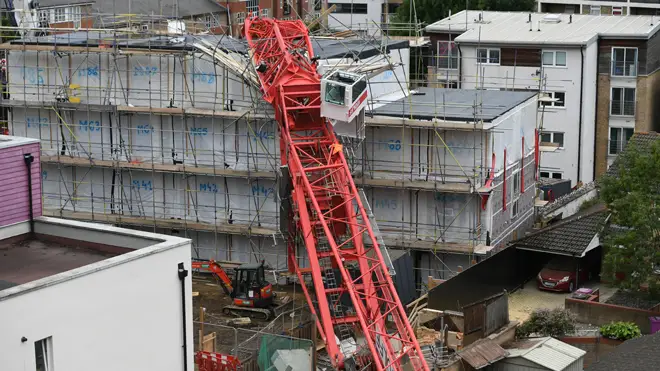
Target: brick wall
{"points": [[601, 314], [602, 123], [648, 103]]}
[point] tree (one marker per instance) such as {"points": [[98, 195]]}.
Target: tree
{"points": [[430, 11], [632, 242]]}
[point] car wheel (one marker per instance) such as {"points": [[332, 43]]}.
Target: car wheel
{"points": [[570, 287]]}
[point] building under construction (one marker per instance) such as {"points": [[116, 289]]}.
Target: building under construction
{"points": [[168, 133]]}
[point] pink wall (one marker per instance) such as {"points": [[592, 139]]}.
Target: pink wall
{"points": [[14, 202]]}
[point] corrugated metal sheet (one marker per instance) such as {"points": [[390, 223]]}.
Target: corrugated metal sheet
{"points": [[549, 353], [482, 353], [404, 279]]}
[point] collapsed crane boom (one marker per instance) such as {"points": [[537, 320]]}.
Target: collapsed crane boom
{"points": [[329, 214]]}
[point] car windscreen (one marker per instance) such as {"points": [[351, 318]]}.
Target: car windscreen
{"points": [[561, 264]]}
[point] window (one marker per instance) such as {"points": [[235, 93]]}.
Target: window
{"points": [[335, 93], [210, 21], [359, 87], [619, 138], [554, 59], [60, 14], [594, 9], [624, 62], [286, 7], [553, 137], [617, 10], [240, 17], [447, 55], [347, 8], [488, 56], [514, 208], [43, 354], [559, 102], [75, 15], [516, 184], [44, 18], [623, 102], [252, 7], [319, 3], [264, 12], [550, 174]]}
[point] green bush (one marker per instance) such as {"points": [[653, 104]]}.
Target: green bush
{"points": [[620, 331], [547, 322]]}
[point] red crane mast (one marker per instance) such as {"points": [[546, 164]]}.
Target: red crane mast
{"points": [[328, 212]]}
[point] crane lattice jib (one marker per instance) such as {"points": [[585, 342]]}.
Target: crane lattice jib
{"points": [[330, 216]]}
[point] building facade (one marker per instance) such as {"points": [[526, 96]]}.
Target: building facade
{"points": [[362, 16], [91, 277], [614, 8], [563, 57]]}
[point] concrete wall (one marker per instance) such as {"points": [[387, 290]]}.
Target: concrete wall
{"points": [[14, 197], [602, 314], [129, 309]]}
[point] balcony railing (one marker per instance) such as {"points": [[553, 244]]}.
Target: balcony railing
{"points": [[628, 69], [617, 146], [622, 108]]}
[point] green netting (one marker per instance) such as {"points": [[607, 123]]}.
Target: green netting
{"points": [[272, 343]]}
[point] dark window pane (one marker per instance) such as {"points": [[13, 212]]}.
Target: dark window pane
{"points": [[562, 99], [482, 55], [556, 175], [559, 139], [545, 138], [545, 174], [494, 56]]}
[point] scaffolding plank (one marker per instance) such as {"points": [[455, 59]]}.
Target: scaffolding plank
{"points": [[89, 49], [236, 229], [148, 166], [416, 185]]}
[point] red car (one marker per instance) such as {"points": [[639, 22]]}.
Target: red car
{"points": [[560, 273]]}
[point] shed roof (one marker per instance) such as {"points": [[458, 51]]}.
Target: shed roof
{"points": [[568, 237], [482, 353], [7, 141], [640, 354], [547, 352], [642, 141], [454, 104], [547, 29]]}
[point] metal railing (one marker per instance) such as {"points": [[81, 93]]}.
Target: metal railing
{"points": [[622, 108], [628, 69]]}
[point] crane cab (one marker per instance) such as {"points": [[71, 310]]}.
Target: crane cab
{"points": [[343, 96]]}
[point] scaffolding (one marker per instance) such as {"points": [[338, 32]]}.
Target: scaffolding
{"points": [[167, 132]]}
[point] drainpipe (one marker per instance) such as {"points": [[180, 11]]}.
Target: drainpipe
{"points": [[29, 159], [183, 273], [579, 156], [460, 66]]}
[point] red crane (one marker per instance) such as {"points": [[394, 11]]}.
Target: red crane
{"points": [[328, 212]]}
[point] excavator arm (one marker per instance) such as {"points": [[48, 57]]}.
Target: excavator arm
{"points": [[330, 217], [214, 268]]}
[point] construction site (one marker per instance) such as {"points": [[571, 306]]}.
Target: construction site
{"points": [[175, 131]]}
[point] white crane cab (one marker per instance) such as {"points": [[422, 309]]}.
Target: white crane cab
{"points": [[343, 99]]}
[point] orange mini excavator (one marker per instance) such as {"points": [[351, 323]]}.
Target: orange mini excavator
{"points": [[253, 296]]}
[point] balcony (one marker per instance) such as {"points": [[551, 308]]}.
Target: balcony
{"points": [[625, 69], [622, 108]]}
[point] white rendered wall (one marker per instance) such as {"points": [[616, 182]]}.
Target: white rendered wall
{"points": [[555, 119], [365, 22], [125, 317]]}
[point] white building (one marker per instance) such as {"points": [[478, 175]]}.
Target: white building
{"points": [[597, 7], [363, 16], [76, 295], [556, 54]]}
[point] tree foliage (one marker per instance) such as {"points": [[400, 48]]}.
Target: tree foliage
{"points": [[632, 243], [555, 322], [430, 11]]}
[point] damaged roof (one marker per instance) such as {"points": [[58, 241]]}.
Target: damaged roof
{"points": [[548, 352], [569, 237], [482, 353]]}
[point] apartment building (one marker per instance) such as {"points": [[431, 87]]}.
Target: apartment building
{"points": [[362, 16], [595, 7], [588, 67]]}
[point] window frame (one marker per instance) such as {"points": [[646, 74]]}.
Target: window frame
{"points": [[551, 174], [263, 12], [623, 94], [61, 13], [552, 137], [620, 9], [46, 347], [451, 49], [554, 59], [625, 49], [488, 57], [622, 142], [552, 95], [240, 17], [594, 7], [286, 8]]}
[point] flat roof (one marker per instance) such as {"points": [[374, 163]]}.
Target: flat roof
{"points": [[555, 29], [34, 258], [454, 104], [7, 141]]}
